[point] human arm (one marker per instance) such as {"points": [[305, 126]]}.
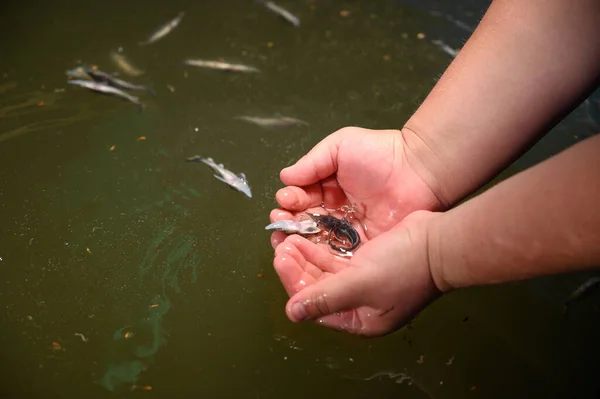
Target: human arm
{"points": [[525, 66], [545, 220], [541, 221]]}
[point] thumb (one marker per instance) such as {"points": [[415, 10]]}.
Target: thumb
{"points": [[319, 163], [345, 290]]}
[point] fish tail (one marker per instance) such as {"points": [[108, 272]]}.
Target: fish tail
{"points": [[152, 92], [195, 158]]}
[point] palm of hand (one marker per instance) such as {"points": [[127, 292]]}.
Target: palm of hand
{"points": [[370, 172], [381, 286]]}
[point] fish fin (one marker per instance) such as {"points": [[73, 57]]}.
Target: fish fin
{"points": [[221, 178], [150, 91]]}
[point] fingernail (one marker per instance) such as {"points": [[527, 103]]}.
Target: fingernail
{"points": [[299, 311]]}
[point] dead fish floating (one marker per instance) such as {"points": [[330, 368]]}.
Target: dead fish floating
{"points": [[163, 30], [278, 121], [282, 12], [124, 65], [237, 181], [103, 77], [582, 291], [106, 89], [221, 66]]}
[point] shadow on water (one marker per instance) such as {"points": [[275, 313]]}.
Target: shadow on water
{"points": [[126, 269]]}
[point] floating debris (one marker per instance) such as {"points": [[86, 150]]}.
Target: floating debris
{"points": [[83, 337]]}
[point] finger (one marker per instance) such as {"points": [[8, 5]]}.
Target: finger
{"points": [[333, 195], [280, 214], [293, 270], [363, 321], [319, 163], [343, 291], [318, 255], [298, 199], [277, 238]]}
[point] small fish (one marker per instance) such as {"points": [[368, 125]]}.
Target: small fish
{"points": [[78, 73], [279, 121], [221, 65], [582, 291], [308, 226], [239, 182], [106, 89], [103, 77], [446, 48], [163, 30], [124, 65], [340, 229], [282, 12]]}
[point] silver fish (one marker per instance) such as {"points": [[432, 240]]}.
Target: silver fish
{"points": [[582, 291], [221, 65], [279, 121], [124, 65], [307, 226], [163, 30], [78, 72], [239, 182], [106, 89], [446, 48], [111, 80], [282, 12]]}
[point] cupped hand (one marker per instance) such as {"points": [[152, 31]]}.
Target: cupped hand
{"points": [[371, 170], [377, 290]]}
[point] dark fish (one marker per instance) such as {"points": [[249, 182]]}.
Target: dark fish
{"points": [[341, 229], [106, 89], [113, 81]]}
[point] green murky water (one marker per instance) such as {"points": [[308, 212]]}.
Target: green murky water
{"points": [[128, 272]]}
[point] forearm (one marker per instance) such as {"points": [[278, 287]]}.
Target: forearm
{"points": [[526, 65], [545, 220]]}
